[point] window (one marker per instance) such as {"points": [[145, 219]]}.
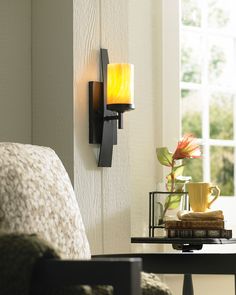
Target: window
{"points": [[208, 88]]}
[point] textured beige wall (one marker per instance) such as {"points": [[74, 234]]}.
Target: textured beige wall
{"points": [[87, 177], [15, 70], [144, 127], [103, 193]]}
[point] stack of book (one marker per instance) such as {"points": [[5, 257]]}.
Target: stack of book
{"points": [[197, 228]]}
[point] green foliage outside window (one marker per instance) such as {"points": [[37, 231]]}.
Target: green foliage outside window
{"points": [[218, 16], [193, 168], [191, 70], [222, 169], [191, 116], [217, 62], [191, 13], [221, 116]]}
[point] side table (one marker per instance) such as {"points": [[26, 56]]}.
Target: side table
{"points": [[186, 246]]}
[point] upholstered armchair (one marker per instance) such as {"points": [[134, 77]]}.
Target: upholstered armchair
{"points": [[36, 197]]}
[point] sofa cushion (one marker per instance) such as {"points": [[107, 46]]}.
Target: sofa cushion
{"points": [[36, 196]]}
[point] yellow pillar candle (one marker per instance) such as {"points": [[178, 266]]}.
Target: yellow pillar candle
{"points": [[120, 86]]}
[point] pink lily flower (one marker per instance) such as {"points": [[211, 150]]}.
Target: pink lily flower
{"points": [[187, 148]]}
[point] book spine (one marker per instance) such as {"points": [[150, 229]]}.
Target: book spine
{"points": [[199, 233], [194, 224]]}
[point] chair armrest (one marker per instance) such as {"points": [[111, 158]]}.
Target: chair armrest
{"points": [[184, 263], [122, 273]]}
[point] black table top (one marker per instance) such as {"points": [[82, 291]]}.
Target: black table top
{"points": [[181, 241], [183, 244]]}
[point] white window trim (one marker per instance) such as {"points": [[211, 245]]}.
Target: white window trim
{"points": [[169, 69]]}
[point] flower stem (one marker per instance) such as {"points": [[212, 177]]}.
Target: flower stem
{"points": [[172, 175]]}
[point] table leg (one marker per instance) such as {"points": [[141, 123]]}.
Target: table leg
{"points": [[188, 285]]}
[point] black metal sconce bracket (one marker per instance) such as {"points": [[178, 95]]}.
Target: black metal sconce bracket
{"points": [[102, 122]]}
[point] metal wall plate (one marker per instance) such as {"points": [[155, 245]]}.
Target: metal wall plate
{"points": [[96, 112], [101, 131]]}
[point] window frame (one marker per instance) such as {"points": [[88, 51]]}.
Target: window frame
{"points": [[206, 90]]}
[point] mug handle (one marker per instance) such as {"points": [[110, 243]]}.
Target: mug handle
{"points": [[217, 190]]}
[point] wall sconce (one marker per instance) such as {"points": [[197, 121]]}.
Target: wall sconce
{"points": [[108, 100]]}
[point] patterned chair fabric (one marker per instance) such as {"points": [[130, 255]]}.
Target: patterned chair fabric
{"points": [[36, 196]]}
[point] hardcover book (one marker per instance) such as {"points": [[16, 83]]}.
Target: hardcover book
{"points": [[199, 233], [194, 224]]}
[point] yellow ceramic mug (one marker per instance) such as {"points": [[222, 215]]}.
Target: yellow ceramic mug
{"points": [[199, 195]]}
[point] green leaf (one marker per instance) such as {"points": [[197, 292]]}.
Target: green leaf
{"points": [[164, 156], [172, 201], [178, 170]]}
